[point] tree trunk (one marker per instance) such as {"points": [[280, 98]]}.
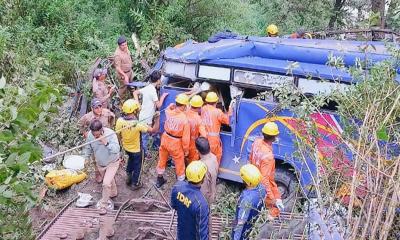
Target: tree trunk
{"points": [[336, 11], [378, 6]]}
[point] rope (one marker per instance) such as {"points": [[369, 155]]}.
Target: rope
{"points": [[97, 139]]}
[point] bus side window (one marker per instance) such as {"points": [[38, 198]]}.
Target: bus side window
{"points": [[312, 86]]}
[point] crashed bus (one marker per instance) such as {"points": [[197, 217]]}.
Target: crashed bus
{"points": [[242, 68]]}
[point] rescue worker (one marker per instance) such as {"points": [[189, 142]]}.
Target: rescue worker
{"points": [[301, 33], [208, 188], [105, 116], [130, 130], [196, 126], [107, 158], [191, 206], [272, 30], [123, 65], [100, 89], [150, 103], [175, 140], [261, 155], [212, 119], [250, 202]]}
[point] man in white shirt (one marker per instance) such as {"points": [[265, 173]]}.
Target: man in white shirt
{"points": [[150, 103]]}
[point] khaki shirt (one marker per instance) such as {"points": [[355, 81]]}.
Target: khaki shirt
{"points": [[106, 118], [123, 60], [208, 188], [100, 91]]}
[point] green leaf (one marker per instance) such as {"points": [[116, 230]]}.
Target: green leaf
{"points": [[2, 82], [11, 159], [6, 136], [8, 194], [13, 112], [24, 158], [382, 134]]}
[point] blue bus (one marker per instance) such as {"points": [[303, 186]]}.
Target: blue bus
{"points": [[241, 68]]}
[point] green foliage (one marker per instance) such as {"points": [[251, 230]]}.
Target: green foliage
{"points": [[393, 15], [174, 21], [25, 113], [289, 16], [42, 43]]}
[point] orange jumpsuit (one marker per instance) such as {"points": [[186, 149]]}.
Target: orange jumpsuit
{"points": [[174, 142], [212, 119], [196, 129], [261, 156]]}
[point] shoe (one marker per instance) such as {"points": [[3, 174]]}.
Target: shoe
{"points": [[128, 179], [160, 182], [218, 181], [137, 186]]}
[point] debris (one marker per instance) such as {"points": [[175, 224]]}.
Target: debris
{"points": [[145, 205], [49, 167], [84, 200], [151, 233], [42, 192], [109, 205], [74, 162], [106, 228]]}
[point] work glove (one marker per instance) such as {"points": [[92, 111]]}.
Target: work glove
{"points": [[279, 205]]}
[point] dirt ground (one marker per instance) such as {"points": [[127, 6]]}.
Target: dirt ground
{"points": [[53, 202]]}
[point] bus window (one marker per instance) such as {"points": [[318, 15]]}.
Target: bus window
{"points": [[311, 86], [260, 79], [179, 82], [260, 95]]}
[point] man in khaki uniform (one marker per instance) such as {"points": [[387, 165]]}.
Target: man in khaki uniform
{"points": [[208, 188], [123, 65], [100, 89], [105, 116]]}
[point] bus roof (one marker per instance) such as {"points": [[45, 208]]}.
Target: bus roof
{"points": [[276, 54]]}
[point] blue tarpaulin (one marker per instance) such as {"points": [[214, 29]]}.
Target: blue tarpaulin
{"points": [[275, 54]]}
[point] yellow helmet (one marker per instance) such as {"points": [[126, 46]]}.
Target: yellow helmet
{"points": [[130, 106], [196, 101], [270, 128], [212, 97], [196, 171], [182, 99], [307, 36], [250, 175], [272, 29]]}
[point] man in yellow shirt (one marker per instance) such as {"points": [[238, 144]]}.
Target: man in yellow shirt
{"points": [[129, 130]]}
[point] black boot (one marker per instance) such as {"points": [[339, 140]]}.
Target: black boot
{"points": [[160, 181], [136, 186], [128, 178]]}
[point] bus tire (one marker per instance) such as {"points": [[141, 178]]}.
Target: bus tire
{"points": [[287, 185]]}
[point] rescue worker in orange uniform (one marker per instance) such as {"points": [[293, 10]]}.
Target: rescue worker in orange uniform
{"points": [[175, 140], [261, 155], [196, 126], [212, 119]]}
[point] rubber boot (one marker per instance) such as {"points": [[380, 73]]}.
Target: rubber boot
{"points": [[160, 181], [128, 178]]}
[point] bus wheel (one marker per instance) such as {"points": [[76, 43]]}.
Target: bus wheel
{"points": [[287, 185]]}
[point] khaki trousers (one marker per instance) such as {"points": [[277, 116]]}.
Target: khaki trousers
{"points": [[107, 173], [123, 88]]}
